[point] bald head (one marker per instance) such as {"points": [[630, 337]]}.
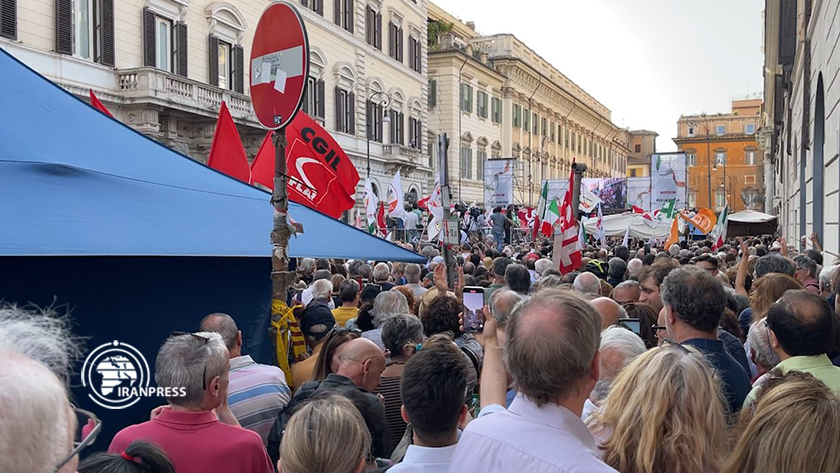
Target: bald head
{"points": [[224, 325], [587, 283], [627, 291], [362, 362], [609, 309]]}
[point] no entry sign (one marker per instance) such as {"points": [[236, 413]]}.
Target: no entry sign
{"points": [[279, 65]]}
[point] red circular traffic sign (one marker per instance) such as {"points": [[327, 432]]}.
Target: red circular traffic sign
{"points": [[279, 65]]}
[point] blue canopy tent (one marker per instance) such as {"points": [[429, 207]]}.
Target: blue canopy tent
{"points": [[134, 239]]}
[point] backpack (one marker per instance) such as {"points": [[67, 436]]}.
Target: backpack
{"points": [[275, 437]]}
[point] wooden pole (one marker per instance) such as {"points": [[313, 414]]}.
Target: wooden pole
{"points": [[281, 279]]}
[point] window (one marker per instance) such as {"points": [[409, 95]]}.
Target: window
{"points": [[720, 158], [481, 101], [342, 13], [749, 157], [315, 5], [720, 129], [690, 131], [536, 129], [466, 162], [526, 120], [517, 116], [749, 129], [432, 93], [345, 111], [415, 133], [163, 40], [224, 65], [481, 157], [633, 172], [691, 158], [551, 134], [373, 28], [720, 199], [574, 135], [8, 19], [567, 137], [415, 55], [466, 98], [692, 200], [313, 103], [544, 125], [749, 180], [227, 64], [375, 114], [84, 28], [496, 110], [397, 127], [395, 41], [637, 148]]}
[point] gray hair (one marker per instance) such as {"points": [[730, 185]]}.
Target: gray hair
{"points": [[412, 273], [548, 359], [825, 276], [541, 265], [627, 345], [182, 361], [617, 268], [224, 325], [633, 267], [629, 283], [381, 272], [587, 283], [399, 330], [545, 282], [807, 264], [674, 250], [759, 340], [388, 304], [774, 263], [364, 271], [41, 335], [322, 290], [307, 266], [502, 303]]}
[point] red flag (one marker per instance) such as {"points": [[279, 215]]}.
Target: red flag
{"points": [[567, 256], [322, 177], [638, 210], [380, 217], [227, 154], [95, 103]]}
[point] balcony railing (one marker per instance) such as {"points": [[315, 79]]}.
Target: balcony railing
{"points": [[146, 84]]}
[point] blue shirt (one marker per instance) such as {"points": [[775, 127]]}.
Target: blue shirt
{"points": [[734, 380]]}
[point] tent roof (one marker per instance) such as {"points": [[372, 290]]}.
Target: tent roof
{"points": [[76, 182], [750, 216]]}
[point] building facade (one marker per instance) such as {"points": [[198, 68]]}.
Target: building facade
{"points": [[546, 122], [642, 146], [723, 158], [800, 127], [164, 67]]}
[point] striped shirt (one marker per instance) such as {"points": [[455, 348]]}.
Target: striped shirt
{"points": [[256, 394]]}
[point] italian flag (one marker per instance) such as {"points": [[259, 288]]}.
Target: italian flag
{"points": [[720, 229], [552, 215], [541, 209]]}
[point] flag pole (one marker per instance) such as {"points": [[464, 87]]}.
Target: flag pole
{"points": [[281, 279]]}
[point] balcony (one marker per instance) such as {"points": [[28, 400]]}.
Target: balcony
{"points": [[399, 157], [148, 85]]}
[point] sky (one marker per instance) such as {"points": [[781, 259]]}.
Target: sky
{"points": [[648, 61]]}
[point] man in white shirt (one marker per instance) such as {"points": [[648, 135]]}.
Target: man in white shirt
{"points": [[433, 390], [411, 221], [552, 353]]}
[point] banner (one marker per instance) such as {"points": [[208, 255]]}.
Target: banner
{"points": [[498, 182], [638, 193], [668, 176], [611, 191]]}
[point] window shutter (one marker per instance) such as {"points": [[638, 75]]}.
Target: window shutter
{"points": [[411, 52], [433, 93], [378, 30], [787, 31], [239, 73], [213, 57], [149, 40], [181, 41], [339, 115], [320, 97], [63, 26], [105, 45], [399, 44], [319, 7], [369, 26], [392, 39], [337, 12], [402, 129], [8, 18], [348, 13], [351, 102]]}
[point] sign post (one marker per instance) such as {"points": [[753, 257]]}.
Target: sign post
{"points": [[279, 68]]}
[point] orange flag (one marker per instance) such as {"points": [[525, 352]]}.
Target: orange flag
{"points": [[675, 234], [704, 220], [227, 153], [97, 104]]}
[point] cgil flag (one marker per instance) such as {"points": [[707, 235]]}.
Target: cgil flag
{"points": [[371, 204], [321, 176], [227, 155], [567, 255], [719, 233]]}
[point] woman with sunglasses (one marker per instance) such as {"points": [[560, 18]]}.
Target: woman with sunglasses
{"points": [[401, 335], [665, 413], [327, 361]]}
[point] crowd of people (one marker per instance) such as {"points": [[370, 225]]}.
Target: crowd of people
{"points": [[681, 359]]}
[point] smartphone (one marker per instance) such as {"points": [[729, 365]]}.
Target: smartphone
{"points": [[473, 309], [634, 325]]}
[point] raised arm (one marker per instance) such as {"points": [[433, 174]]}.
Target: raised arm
{"points": [[741, 278]]}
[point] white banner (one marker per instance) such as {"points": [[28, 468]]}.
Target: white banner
{"points": [[498, 182], [638, 193], [588, 200], [668, 176]]}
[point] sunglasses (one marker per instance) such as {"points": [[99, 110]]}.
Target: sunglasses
{"points": [[87, 428], [203, 339]]}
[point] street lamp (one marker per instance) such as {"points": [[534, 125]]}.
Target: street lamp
{"points": [[384, 101], [705, 125]]}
